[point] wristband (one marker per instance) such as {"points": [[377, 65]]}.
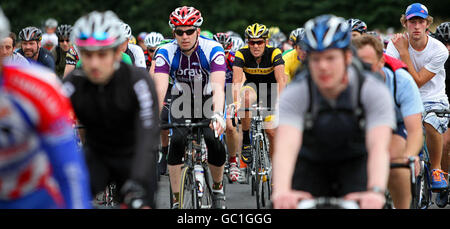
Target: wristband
{"points": [[377, 190]]}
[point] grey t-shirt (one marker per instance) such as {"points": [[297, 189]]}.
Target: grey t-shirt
{"points": [[375, 98]]}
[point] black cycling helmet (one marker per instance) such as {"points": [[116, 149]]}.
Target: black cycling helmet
{"points": [[357, 25], [443, 32], [63, 31], [30, 33]]}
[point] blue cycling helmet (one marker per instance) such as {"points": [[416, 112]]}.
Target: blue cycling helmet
{"points": [[327, 32]]}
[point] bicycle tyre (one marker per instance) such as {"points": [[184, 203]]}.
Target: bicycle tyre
{"points": [[205, 202], [188, 190]]}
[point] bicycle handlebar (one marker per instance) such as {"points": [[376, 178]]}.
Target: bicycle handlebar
{"points": [[201, 124], [439, 112], [327, 203]]}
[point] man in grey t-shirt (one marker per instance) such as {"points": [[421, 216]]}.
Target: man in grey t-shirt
{"points": [[343, 152]]}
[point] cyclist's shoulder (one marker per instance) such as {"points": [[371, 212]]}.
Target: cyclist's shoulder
{"points": [[290, 57]]}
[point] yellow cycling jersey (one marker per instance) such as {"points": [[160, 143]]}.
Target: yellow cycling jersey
{"points": [[291, 64]]}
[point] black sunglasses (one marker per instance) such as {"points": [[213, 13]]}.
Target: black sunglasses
{"points": [[65, 40], [260, 42], [151, 50], [180, 32]]}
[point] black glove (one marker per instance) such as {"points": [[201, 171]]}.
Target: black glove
{"points": [[134, 194]]}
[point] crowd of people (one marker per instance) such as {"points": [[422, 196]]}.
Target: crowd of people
{"points": [[344, 102]]}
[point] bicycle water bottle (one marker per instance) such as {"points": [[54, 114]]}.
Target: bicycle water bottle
{"points": [[200, 178]]}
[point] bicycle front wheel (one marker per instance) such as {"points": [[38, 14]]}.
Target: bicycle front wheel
{"points": [[188, 190]]}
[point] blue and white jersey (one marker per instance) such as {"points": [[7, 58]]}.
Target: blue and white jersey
{"points": [[207, 57]]}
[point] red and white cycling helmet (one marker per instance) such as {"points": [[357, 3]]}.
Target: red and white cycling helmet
{"points": [[185, 16]]}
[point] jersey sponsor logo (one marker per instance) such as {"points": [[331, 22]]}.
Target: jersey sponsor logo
{"points": [[258, 71], [220, 60], [160, 62], [189, 72], [195, 64]]}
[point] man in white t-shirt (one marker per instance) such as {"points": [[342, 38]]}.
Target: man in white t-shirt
{"points": [[49, 38], [425, 57]]}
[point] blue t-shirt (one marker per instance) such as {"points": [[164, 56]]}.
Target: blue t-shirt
{"points": [[407, 95]]}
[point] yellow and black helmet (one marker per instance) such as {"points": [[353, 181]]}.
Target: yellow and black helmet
{"points": [[256, 31]]}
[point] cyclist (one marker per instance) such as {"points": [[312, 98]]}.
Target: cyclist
{"points": [[407, 140], [443, 34], [59, 52], [193, 61], [134, 51], [31, 47], [238, 43], [140, 40], [294, 58], [292, 38], [345, 103], [117, 105], [151, 41], [7, 51], [49, 38], [358, 27], [263, 66], [40, 166], [425, 57], [231, 133]]}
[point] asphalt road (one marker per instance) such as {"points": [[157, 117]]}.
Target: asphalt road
{"points": [[238, 196]]}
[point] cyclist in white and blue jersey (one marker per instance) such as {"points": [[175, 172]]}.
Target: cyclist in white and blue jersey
{"points": [[197, 66]]}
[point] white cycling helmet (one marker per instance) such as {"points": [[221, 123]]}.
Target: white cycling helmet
{"points": [[97, 31], [153, 39], [127, 30], [238, 43], [4, 25]]}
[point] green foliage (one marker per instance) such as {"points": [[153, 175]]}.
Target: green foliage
{"points": [[236, 15]]}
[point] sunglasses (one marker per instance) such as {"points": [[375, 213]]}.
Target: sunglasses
{"points": [[260, 42], [151, 50], [65, 40], [180, 32]]}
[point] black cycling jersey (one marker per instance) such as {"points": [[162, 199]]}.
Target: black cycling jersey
{"points": [[45, 58], [121, 121], [59, 55], [262, 73]]}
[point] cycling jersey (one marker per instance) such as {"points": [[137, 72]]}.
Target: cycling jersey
{"points": [[60, 60], [40, 165], [137, 55], [72, 57], [121, 123], [207, 57], [262, 73], [291, 64], [229, 73], [45, 58], [148, 59]]}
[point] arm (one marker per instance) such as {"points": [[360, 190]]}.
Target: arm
{"points": [[281, 77], [414, 141], [421, 77], [377, 142], [161, 83], [147, 132], [238, 77], [218, 83]]}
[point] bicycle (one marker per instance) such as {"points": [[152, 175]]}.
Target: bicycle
{"points": [[195, 191], [327, 203], [442, 113], [423, 189], [261, 168]]}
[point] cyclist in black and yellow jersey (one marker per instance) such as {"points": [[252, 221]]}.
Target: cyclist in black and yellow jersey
{"points": [[261, 68], [294, 59]]}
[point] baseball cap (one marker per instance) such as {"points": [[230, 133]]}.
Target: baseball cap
{"points": [[416, 10]]}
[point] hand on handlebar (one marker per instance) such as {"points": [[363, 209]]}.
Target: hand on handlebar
{"points": [[218, 124], [289, 199], [368, 199]]}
